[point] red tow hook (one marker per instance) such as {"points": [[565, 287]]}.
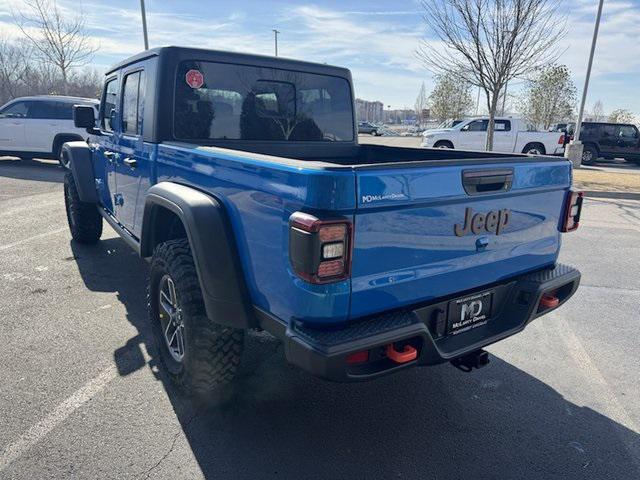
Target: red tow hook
{"points": [[409, 353], [549, 301]]}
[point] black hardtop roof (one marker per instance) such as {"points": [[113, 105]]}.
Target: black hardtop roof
{"points": [[233, 57], [605, 123]]}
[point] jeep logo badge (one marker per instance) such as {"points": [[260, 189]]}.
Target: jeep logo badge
{"points": [[493, 222]]}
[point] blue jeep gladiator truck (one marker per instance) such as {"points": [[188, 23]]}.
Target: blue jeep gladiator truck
{"points": [[240, 178]]}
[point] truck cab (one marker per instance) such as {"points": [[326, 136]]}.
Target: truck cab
{"points": [[240, 178]]}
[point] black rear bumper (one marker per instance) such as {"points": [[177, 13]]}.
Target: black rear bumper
{"points": [[324, 352]]}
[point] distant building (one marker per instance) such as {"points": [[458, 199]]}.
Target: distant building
{"points": [[400, 117], [367, 111]]}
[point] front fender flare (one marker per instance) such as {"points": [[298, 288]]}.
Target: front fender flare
{"points": [[81, 163], [212, 245]]}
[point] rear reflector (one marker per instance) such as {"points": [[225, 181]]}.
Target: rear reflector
{"points": [[573, 209], [358, 357]]}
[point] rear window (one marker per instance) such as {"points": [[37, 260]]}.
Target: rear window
{"points": [[216, 101]]}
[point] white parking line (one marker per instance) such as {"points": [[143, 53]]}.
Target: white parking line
{"points": [[35, 237], [59, 414]]}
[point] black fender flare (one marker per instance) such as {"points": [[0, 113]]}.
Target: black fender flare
{"points": [[212, 245], [81, 163]]}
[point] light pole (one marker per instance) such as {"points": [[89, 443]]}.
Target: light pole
{"points": [[573, 151], [275, 38], [144, 25]]}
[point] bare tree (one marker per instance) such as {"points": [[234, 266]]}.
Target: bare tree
{"points": [[490, 42], [58, 39], [421, 104], [550, 96], [598, 112], [451, 98]]}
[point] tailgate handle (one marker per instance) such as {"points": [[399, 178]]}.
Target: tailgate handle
{"points": [[477, 182]]}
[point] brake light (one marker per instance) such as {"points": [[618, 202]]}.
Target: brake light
{"points": [[561, 140], [319, 250], [573, 209]]}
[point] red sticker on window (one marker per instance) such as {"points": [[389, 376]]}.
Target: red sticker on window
{"points": [[194, 78]]}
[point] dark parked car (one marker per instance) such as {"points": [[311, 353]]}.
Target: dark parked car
{"points": [[609, 140], [366, 127]]}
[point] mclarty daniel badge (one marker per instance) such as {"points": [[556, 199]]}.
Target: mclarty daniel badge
{"points": [[379, 198]]}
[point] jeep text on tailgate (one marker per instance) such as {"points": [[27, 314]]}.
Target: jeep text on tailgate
{"points": [[241, 178]]}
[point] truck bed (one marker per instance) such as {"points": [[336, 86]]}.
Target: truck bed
{"points": [[403, 204]]}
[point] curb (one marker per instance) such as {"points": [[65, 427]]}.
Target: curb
{"points": [[619, 195]]}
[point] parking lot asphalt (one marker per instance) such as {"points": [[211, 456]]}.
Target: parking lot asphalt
{"points": [[81, 395]]}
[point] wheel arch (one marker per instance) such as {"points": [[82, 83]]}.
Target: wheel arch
{"points": [[81, 165], [62, 138], [205, 224], [595, 145], [444, 141], [537, 144]]}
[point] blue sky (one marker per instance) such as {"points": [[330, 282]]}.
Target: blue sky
{"points": [[376, 39]]}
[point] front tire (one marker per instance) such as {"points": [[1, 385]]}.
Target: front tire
{"points": [[198, 354], [85, 222]]}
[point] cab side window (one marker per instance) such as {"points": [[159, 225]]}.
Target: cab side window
{"points": [[476, 126], [133, 94], [15, 110], [628, 132], [109, 97]]}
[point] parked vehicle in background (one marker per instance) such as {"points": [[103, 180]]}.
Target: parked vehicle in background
{"points": [[38, 126], [241, 178], [608, 140], [368, 128], [512, 135]]}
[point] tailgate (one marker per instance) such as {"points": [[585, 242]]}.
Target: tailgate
{"points": [[426, 232]]}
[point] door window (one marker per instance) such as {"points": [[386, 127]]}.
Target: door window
{"points": [[133, 94], [608, 131], [627, 132], [15, 110], [51, 110], [107, 114], [476, 126]]}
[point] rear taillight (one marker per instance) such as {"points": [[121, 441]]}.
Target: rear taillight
{"points": [[319, 250], [561, 140], [572, 212]]}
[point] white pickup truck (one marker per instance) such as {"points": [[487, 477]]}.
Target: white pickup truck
{"points": [[511, 135]]}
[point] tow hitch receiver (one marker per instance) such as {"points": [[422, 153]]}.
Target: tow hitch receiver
{"points": [[477, 359], [548, 301], [408, 354]]}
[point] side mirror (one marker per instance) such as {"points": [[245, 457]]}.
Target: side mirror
{"points": [[84, 117]]}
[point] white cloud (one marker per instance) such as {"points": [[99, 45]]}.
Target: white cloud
{"points": [[378, 45]]}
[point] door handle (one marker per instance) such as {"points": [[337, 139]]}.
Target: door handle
{"points": [[130, 162]]}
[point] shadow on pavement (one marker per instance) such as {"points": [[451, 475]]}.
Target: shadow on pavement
{"points": [[34, 170], [279, 422]]}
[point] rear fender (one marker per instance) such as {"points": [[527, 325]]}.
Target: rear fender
{"points": [[81, 163], [212, 245]]}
